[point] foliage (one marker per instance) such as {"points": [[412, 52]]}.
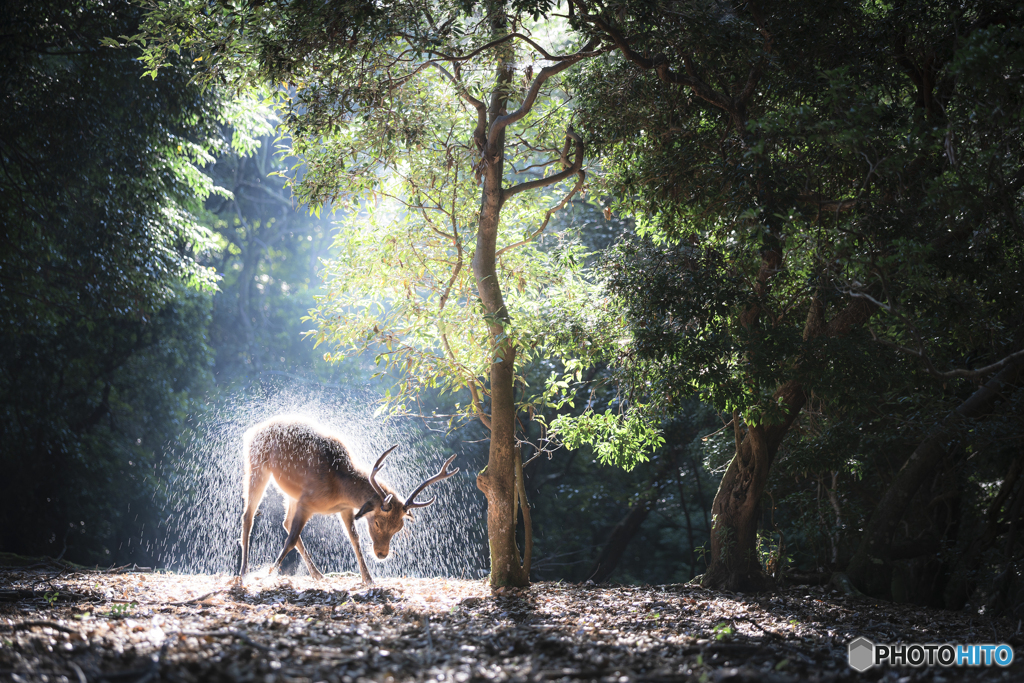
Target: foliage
{"points": [[849, 123], [403, 278], [622, 440], [827, 212], [102, 325], [382, 116]]}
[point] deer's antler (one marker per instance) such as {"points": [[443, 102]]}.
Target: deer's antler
{"points": [[385, 504], [411, 503]]}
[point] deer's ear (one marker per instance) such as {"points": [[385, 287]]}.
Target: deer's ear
{"points": [[408, 516], [367, 506]]}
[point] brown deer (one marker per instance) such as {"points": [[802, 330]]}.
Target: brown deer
{"points": [[315, 472]]}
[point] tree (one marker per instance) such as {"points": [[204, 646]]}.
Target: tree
{"points": [[797, 175], [439, 127], [710, 315], [964, 94]]}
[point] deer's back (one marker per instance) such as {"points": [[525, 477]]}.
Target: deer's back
{"points": [[306, 460]]}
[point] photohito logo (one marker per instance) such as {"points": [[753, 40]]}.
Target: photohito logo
{"points": [[863, 654]]}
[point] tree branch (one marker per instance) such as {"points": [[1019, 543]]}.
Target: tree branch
{"points": [[575, 168], [458, 247], [494, 43], [471, 383], [988, 369], [556, 178], [547, 72], [481, 108], [978, 373], [830, 204], [484, 417], [660, 65], [920, 352]]}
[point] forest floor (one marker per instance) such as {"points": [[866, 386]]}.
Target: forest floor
{"points": [[62, 624]]}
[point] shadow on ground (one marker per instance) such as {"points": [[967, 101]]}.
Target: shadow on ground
{"points": [[66, 624]]}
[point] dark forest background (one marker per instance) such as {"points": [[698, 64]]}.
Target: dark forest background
{"points": [[151, 265]]}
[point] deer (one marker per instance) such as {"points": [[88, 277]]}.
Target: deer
{"points": [[315, 471]]}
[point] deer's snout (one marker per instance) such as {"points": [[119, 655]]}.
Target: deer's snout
{"points": [[381, 554]]}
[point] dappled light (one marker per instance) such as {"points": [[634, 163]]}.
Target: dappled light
{"points": [[194, 627]]}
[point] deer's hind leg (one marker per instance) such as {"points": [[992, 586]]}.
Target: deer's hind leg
{"points": [[289, 517], [255, 485]]}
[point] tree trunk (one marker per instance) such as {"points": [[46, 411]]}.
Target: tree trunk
{"points": [[734, 562], [497, 480], [689, 522], [619, 538], [871, 567], [623, 532], [961, 582], [696, 467], [250, 264]]}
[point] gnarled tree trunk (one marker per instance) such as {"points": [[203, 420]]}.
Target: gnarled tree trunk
{"points": [[734, 563]]}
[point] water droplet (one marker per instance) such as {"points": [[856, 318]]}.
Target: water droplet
{"points": [[203, 515]]}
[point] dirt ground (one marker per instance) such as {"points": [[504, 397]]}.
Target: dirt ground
{"points": [[59, 624]]}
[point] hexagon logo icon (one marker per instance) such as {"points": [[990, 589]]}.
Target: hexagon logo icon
{"points": [[861, 654]]}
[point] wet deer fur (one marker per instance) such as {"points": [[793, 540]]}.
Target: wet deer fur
{"points": [[317, 475]]}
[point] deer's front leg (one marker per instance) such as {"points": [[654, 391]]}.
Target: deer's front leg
{"points": [[300, 515], [349, 522]]}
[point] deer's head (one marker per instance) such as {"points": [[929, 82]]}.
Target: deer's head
{"points": [[385, 516]]}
